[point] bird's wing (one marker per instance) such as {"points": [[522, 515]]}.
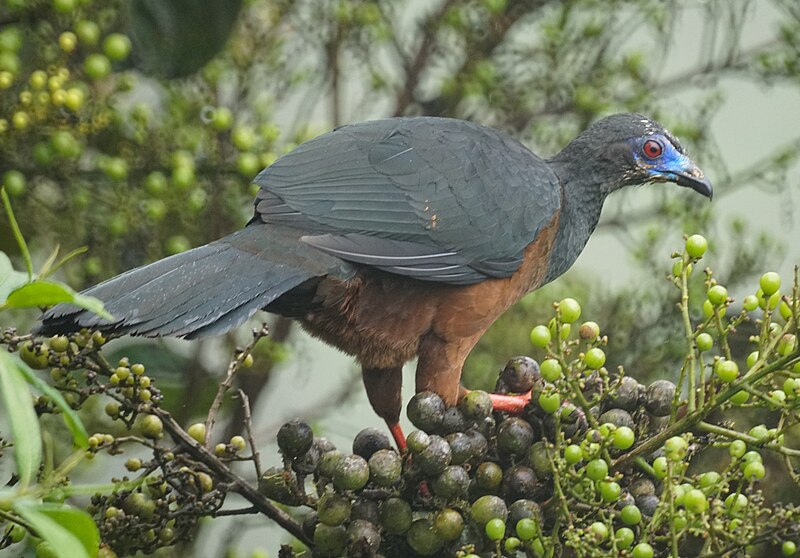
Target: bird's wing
{"points": [[432, 198]]}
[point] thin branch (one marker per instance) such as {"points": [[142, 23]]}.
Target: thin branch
{"points": [[239, 485], [223, 387], [248, 427]]}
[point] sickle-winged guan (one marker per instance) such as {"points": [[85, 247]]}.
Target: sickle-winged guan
{"points": [[393, 239]]}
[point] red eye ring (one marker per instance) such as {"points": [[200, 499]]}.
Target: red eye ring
{"points": [[652, 149]]}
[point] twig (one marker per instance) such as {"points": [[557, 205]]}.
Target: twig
{"points": [[260, 503], [238, 511], [223, 387], [248, 427]]}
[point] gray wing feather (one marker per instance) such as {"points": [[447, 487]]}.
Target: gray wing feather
{"points": [[464, 198]]}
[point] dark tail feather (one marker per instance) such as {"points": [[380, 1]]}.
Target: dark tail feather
{"points": [[205, 291]]}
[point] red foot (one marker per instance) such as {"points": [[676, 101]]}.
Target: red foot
{"points": [[399, 437], [400, 442], [513, 404]]}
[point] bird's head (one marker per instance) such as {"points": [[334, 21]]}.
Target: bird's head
{"points": [[631, 149]]}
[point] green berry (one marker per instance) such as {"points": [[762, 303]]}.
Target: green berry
{"points": [[726, 370], [750, 303], [737, 449], [549, 401], [573, 454], [222, 118], [88, 32], [631, 515], [623, 438], [717, 295], [735, 503], [540, 336], [198, 432], [526, 528], [152, 427], [97, 66], [610, 491], [569, 310], [550, 370], [759, 432], [117, 46], [768, 301], [624, 537], [495, 529], [599, 530], [754, 471], [696, 246], [238, 443], [787, 345], [248, 164], [695, 501], [14, 182], [770, 283], [704, 342], [597, 469], [65, 6], [595, 358], [660, 467], [739, 398], [788, 548], [642, 550]]}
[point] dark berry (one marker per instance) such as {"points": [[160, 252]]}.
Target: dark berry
{"points": [[520, 374], [448, 524], [363, 538], [368, 441], [396, 516], [659, 396], [514, 437], [434, 458], [451, 483], [333, 508], [426, 411], [351, 473], [385, 467], [422, 537], [295, 438], [519, 482]]}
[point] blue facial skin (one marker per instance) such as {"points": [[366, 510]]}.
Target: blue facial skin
{"points": [[671, 165]]}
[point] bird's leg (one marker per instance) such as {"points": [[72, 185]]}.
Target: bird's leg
{"points": [[383, 387], [439, 366]]}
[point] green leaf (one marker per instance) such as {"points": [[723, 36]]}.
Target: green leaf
{"points": [[22, 417], [48, 293], [71, 531], [79, 435], [9, 279]]}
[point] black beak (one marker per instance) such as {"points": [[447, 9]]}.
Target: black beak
{"points": [[696, 180], [689, 176]]}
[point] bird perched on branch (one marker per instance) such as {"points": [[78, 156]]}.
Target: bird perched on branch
{"points": [[395, 239]]}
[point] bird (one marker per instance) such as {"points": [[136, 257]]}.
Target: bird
{"points": [[393, 239]]}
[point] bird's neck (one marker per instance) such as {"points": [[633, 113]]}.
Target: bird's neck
{"points": [[583, 195]]}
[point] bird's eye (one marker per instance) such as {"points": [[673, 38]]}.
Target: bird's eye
{"points": [[652, 149]]}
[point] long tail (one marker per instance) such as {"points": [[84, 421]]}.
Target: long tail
{"points": [[205, 291]]}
